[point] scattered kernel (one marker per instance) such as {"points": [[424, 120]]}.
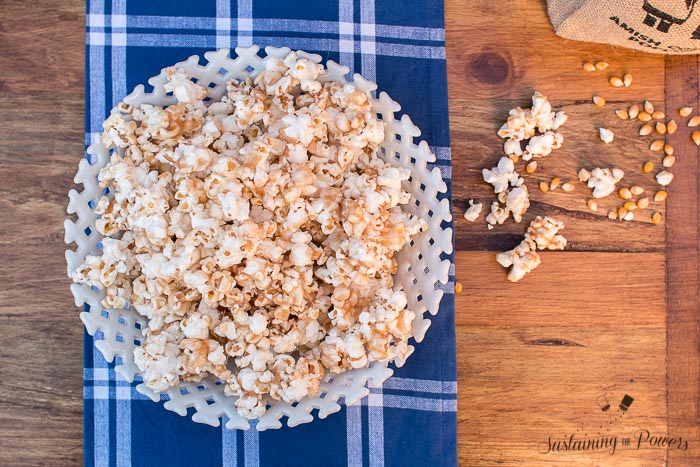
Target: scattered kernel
{"points": [[458, 287], [660, 195], [598, 101], [671, 127], [622, 114], [644, 116], [627, 80], [554, 183], [648, 167], [656, 218], [636, 190], [696, 137], [658, 115], [633, 111], [661, 128], [612, 214], [648, 107], [630, 205], [668, 149], [695, 121], [643, 203], [656, 145], [601, 65], [616, 82], [669, 161], [588, 67], [629, 216], [685, 111], [531, 167], [645, 130], [621, 213], [624, 193], [568, 187], [544, 187], [592, 205]]}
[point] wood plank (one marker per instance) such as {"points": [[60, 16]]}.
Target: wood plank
{"points": [[50, 146], [503, 50], [45, 53], [532, 361], [41, 398], [41, 139], [683, 270], [514, 396], [610, 288]]}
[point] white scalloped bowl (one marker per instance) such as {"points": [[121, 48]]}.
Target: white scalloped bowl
{"points": [[420, 264]]}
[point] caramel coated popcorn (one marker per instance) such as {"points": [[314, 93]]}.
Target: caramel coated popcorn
{"points": [[542, 234], [256, 233]]}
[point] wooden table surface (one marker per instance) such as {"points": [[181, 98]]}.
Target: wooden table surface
{"points": [[615, 314]]}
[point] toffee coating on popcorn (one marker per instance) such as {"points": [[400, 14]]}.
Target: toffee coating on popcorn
{"points": [[256, 233]]}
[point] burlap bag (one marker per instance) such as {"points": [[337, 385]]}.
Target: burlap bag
{"points": [[656, 26]]}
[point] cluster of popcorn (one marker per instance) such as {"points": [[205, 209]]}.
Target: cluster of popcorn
{"points": [[536, 128], [542, 234], [257, 234], [536, 125], [525, 124], [511, 191]]}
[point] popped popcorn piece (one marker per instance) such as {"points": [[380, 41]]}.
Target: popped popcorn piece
{"points": [[664, 178], [513, 147], [543, 231], [502, 176], [473, 211], [602, 181], [524, 124], [539, 146], [517, 202], [257, 233], [520, 260], [498, 215], [559, 120], [541, 234], [606, 135]]}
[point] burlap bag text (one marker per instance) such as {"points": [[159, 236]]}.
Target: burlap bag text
{"points": [[656, 26]]}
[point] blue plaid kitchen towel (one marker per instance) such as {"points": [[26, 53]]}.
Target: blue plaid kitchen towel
{"points": [[411, 420]]}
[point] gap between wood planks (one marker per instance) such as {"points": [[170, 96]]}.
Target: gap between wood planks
{"points": [[683, 270]]}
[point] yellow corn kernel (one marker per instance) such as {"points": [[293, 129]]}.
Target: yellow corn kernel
{"points": [[660, 195]]}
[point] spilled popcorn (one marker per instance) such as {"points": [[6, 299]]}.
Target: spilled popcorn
{"points": [[524, 124], [473, 212], [538, 126], [542, 234], [602, 181], [256, 233], [509, 186]]}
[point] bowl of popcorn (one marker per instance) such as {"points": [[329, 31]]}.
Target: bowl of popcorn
{"points": [[257, 237]]}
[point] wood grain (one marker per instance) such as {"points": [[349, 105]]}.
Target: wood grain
{"points": [[41, 140], [683, 271], [615, 314]]}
